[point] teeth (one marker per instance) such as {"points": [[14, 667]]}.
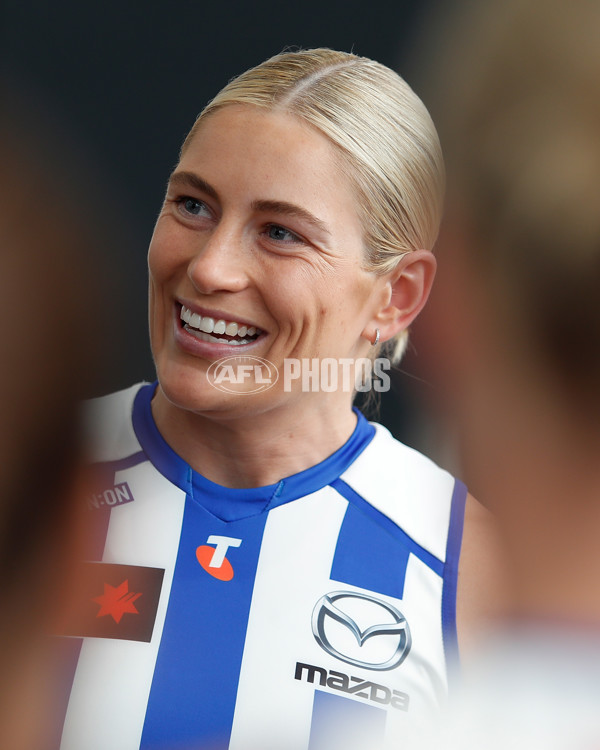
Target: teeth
{"points": [[213, 339], [202, 326], [207, 325]]}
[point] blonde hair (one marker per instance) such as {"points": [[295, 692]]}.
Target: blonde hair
{"points": [[387, 142]]}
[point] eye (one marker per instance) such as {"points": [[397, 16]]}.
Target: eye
{"points": [[192, 206], [281, 234]]}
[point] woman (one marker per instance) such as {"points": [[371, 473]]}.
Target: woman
{"points": [[304, 562]]}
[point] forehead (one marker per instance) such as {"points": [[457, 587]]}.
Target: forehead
{"points": [[272, 130], [271, 155]]}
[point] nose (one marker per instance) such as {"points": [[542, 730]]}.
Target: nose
{"points": [[220, 265]]}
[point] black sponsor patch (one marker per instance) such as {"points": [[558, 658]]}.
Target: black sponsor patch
{"points": [[115, 601]]}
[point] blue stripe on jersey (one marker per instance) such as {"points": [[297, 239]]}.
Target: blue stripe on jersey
{"points": [[367, 555], [193, 693], [455, 532], [336, 719], [386, 523], [160, 454], [231, 504]]}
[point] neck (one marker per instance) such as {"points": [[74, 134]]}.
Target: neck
{"points": [[256, 450]]}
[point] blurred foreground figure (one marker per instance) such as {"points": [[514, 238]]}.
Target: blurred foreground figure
{"points": [[45, 365], [516, 313]]}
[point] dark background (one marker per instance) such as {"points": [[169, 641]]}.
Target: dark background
{"points": [[110, 89]]}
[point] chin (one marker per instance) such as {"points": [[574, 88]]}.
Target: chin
{"points": [[191, 392], [184, 387]]}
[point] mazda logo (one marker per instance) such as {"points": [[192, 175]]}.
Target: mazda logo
{"points": [[332, 606]]}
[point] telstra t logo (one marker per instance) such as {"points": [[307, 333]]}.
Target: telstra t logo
{"points": [[213, 559]]}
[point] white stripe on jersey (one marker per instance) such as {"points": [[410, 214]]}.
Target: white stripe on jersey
{"points": [[275, 629], [114, 674]]}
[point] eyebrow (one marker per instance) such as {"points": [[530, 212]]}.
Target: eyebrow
{"points": [[290, 209], [190, 179]]}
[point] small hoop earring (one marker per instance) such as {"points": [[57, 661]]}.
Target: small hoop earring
{"points": [[376, 337]]}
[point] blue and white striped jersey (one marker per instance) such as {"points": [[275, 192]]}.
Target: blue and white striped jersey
{"points": [[318, 612]]}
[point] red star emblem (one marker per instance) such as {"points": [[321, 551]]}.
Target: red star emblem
{"points": [[116, 601]]}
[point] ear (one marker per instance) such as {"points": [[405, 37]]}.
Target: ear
{"points": [[407, 288]]}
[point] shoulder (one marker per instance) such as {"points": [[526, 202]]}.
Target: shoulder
{"points": [[400, 466], [108, 425], [482, 590], [407, 487]]}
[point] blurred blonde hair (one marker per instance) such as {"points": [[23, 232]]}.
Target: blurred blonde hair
{"points": [[386, 140], [521, 133]]}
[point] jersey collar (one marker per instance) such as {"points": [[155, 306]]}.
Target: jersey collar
{"points": [[231, 504]]}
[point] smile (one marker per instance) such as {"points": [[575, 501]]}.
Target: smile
{"points": [[218, 331]]}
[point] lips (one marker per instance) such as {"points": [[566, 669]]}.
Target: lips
{"points": [[218, 331]]}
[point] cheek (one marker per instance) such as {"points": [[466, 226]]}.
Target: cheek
{"points": [[164, 253], [161, 267], [157, 260]]}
